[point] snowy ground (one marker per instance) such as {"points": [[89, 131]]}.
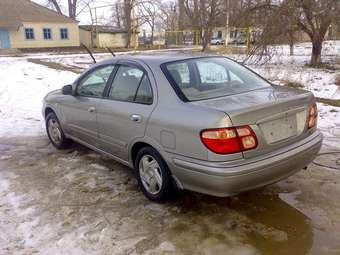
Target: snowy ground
{"points": [[22, 88], [79, 202]]}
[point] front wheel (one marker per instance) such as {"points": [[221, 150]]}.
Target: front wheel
{"points": [[153, 175], [55, 133]]}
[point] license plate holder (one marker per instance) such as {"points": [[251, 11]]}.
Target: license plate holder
{"points": [[280, 129]]}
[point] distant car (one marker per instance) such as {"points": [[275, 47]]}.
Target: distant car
{"points": [[232, 40], [201, 123], [241, 39], [217, 41]]}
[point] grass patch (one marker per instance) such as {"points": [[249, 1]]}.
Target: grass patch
{"points": [[325, 66], [56, 66], [230, 49], [332, 102], [337, 80], [292, 84]]}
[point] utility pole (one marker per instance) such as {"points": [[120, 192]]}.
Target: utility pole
{"points": [[92, 29], [227, 31], [97, 36]]}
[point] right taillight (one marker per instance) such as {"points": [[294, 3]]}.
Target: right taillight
{"points": [[313, 116], [229, 140]]}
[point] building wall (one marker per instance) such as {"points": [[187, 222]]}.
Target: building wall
{"points": [[117, 40], [216, 30], [18, 39], [85, 37]]}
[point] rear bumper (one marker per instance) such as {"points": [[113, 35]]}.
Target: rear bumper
{"points": [[228, 178]]}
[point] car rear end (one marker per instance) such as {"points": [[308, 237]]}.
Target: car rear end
{"points": [[272, 132]]}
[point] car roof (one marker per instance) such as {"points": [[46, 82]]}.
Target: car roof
{"points": [[156, 58]]}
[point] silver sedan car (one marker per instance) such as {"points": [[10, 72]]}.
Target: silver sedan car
{"points": [[201, 123]]}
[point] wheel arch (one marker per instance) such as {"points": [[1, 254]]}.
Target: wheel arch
{"points": [[138, 144], [48, 110]]}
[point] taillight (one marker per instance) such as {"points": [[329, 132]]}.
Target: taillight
{"points": [[313, 116], [229, 140]]}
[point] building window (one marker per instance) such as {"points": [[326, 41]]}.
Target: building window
{"points": [[29, 33], [47, 33], [63, 33], [219, 34]]}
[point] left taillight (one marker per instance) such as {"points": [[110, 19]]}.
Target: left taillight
{"points": [[313, 116], [229, 140]]}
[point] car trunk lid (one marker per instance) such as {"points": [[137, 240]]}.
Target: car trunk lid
{"points": [[278, 115]]}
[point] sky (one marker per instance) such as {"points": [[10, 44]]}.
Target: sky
{"points": [[103, 14]]}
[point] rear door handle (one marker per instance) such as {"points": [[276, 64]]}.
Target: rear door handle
{"points": [[91, 109], [136, 118]]}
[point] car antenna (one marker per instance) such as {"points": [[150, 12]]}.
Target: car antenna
{"points": [[88, 51], [112, 53]]}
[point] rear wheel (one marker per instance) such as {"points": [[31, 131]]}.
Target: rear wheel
{"points": [[153, 175], [55, 133]]}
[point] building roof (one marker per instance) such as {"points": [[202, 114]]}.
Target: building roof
{"points": [[103, 29], [14, 12]]}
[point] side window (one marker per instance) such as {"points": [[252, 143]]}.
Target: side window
{"points": [[144, 93], [131, 85], [93, 84], [234, 77]]}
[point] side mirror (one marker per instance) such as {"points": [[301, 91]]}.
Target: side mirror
{"points": [[67, 90]]}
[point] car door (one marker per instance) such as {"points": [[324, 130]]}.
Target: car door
{"points": [[123, 115], [80, 110]]}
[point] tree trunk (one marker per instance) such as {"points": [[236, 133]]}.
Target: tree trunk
{"points": [[206, 39], [117, 15], [291, 48], [152, 35], [291, 43], [128, 38], [316, 53], [72, 8], [56, 6], [128, 22]]}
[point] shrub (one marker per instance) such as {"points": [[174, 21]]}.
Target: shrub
{"points": [[337, 80]]}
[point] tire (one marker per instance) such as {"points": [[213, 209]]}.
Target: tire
{"points": [[55, 132], [147, 178]]}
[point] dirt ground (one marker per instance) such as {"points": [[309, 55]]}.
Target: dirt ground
{"points": [[79, 202]]}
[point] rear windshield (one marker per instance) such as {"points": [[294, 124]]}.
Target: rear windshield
{"points": [[205, 78]]}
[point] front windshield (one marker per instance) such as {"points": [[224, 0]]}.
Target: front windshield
{"points": [[205, 78]]}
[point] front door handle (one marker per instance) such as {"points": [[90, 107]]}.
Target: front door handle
{"points": [[136, 118], [91, 109]]}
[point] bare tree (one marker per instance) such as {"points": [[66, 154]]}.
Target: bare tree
{"points": [[75, 7], [125, 16], [128, 6], [118, 20], [203, 15], [72, 8], [149, 11], [168, 15], [314, 17], [56, 5]]}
